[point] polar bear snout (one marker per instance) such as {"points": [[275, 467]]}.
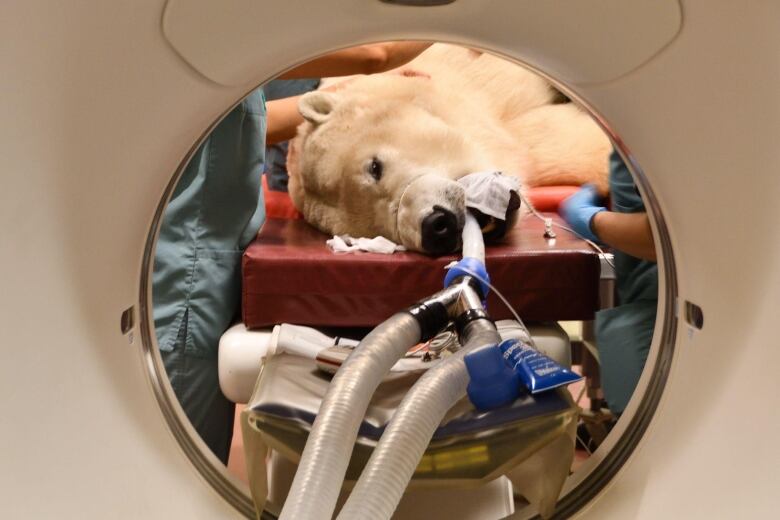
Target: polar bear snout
{"points": [[431, 213], [439, 231]]}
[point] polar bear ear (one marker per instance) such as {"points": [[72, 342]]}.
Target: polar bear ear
{"points": [[317, 106]]}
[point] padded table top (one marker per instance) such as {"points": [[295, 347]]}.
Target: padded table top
{"points": [[291, 276]]}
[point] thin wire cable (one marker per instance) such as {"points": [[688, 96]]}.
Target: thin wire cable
{"points": [[581, 394], [549, 223], [583, 444]]}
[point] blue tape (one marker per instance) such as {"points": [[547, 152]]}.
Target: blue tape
{"points": [[492, 382]]}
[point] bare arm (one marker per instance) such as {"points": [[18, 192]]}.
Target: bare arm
{"points": [[282, 114], [627, 232], [364, 59], [282, 119]]}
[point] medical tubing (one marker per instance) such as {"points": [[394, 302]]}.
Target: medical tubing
{"points": [[473, 241], [324, 461], [396, 456]]}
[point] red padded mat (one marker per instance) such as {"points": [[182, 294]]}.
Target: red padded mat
{"points": [[548, 198], [290, 275]]}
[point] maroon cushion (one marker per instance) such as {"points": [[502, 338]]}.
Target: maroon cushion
{"points": [[290, 275]]}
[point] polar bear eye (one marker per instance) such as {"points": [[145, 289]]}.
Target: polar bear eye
{"points": [[375, 168]]}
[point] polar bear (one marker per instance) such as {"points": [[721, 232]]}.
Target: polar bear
{"points": [[382, 155]]}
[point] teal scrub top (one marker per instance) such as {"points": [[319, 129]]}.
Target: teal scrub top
{"points": [[624, 332], [215, 211]]}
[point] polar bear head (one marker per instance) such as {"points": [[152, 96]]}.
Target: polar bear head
{"points": [[382, 158]]}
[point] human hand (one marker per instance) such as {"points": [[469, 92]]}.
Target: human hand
{"points": [[578, 211]]}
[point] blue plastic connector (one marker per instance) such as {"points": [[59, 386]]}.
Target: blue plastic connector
{"points": [[471, 265], [492, 382]]}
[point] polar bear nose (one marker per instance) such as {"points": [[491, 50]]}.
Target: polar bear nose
{"points": [[439, 230]]}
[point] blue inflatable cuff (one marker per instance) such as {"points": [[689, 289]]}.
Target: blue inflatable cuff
{"points": [[465, 267], [492, 383]]}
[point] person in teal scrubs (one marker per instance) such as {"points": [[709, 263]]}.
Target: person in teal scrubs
{"points": [[215, 211], [623, 333]]}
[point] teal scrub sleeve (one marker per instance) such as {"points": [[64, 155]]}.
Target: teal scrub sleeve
{"points": [[215, 211]]}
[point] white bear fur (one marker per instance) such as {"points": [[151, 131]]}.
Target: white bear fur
{"points": [[475, 112]]}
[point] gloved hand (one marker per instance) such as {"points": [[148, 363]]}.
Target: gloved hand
{"points": [[578, 211]]}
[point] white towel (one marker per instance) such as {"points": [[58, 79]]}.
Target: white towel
{"points": [[347, 244]]}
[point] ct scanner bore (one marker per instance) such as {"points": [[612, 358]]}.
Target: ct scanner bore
{"points": [[582, 486], [680, 101]]}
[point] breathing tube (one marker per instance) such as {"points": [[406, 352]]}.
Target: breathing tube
{"points": [[325, 458], [473, 243], [392, 464], [393, 461], [317, 483]]}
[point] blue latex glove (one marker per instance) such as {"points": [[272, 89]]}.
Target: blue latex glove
{"points": [[578, 211]]}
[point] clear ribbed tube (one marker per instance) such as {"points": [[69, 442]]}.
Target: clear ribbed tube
{"points": [[392, 464], [473, 241], [324, 461]]}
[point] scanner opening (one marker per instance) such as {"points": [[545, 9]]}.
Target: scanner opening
{"points": [[589, 474]]}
